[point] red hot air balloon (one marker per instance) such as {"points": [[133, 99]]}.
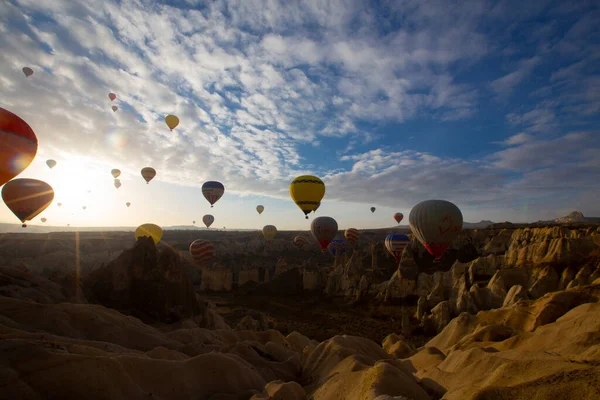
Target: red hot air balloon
{"points": [[26, 198], [112, 96], [202, 251], [398, 217], [324, 230], [18, 145], [27, 71]]}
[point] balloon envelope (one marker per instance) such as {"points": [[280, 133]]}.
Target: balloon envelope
{"points": [[26, 198], [269, 232], [435, 223], [307, 191], [112, 96], [213, 191], [373, 209], [115, 173], [208, 220], [398, 217], [114, 108], [395, 244], [202, 251], [18, 145], [51, 163], [338, 246], [128, 204], [149, 230], [44, 220], [351, 234], [148, 173], [59, 204], [324, 230], [300, 241], [27, 71], [171, 121], [117, 183], [260, 209]]}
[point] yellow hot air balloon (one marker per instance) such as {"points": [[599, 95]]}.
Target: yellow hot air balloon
{"points": [[171, 121], [307, 191], [269, 232], [150, 230]]}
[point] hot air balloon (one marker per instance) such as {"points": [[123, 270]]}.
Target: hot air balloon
{"points": [[307, 191], [117, 183], [27, 71], [112, 96], [260, 209], [194, 222], [18, 145], [398, 217], [115, 173], [300, 241], [84, 207], [149, 230], [351, 234], [324, 230], [26, 198], [213, 191], [269, 232], [171, 121], [59, 204], [128, 204], [435, 223], [373, 209], [208, 220], [148, 173], [202, 251], [395, 244], [51, 163], [44, 220], [338, 246], [114, 108]]}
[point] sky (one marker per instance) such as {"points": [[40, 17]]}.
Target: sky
{"points": [[492, 105]]}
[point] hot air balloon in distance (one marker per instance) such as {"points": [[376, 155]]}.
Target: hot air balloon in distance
{"points": [[117, 183], [352, 235], [269, 232], [324, 229], [307, 191], [128, 204], [44, 220], [84, 207], [338, 246], [213, 191], [373, 209], [112, 96], [27, 71], [260, 209], [201, 251], [435, 223], [51, 163], [398, 217], [18, 145], [194, 222], [300, 241], [208, 220], [26, 198], [395, 244], [59, 204], [148, 173], [115, 173], [114, 108], [149, 230], [171, 121]]}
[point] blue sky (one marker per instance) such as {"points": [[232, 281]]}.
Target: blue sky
{"points": [[492, 105]]}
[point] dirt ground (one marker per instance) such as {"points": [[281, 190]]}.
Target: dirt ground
{"points": [[316, 317]]}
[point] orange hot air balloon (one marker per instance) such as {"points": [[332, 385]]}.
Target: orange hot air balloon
{"points": [[26, 198], [352, 235], [148, 173], [202, 251], [112, 96], [172, 121], [27, 71], [18, 145]]}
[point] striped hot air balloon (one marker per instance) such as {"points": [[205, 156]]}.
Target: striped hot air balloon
{"points": [[26, 198], [148, 173], [300, 241], [213, 191], [351, 235], [202, 251], [395, 244], [208, 220], [338, 246], [269, 232]]}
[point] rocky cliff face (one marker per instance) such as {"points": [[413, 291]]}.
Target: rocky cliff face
{"points": [[147, 283]]}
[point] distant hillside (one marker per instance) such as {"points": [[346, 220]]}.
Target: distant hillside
{"points": [[16, 228], [572, 217], [477, 225]]}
